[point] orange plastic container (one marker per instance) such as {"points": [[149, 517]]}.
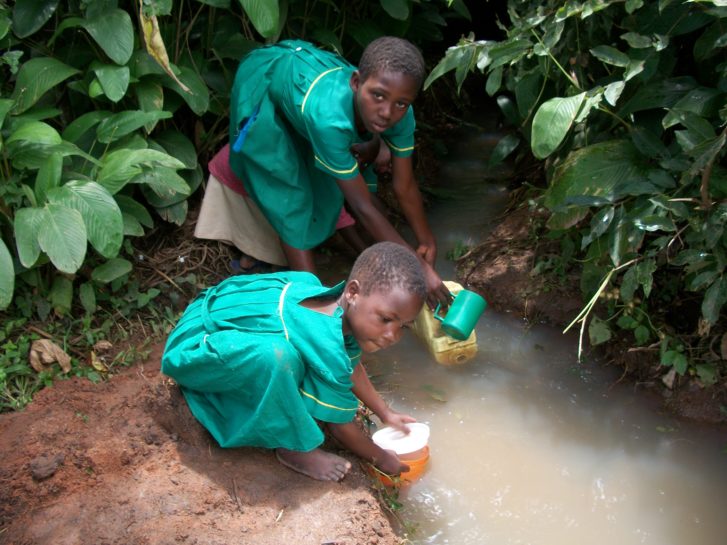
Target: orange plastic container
{"points": [[411, 449]]}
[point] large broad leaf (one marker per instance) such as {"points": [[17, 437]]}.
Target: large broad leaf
{"points": [[63, 237], [595, 170], [179, 146], [114, 80], [264, 15], [714, 299], [134, 209], [505, 146], [150, 97], [120, 166], [610, 55], [27, 225], [49, 176], [61, 295], [114, 33], [84, 123], [197, 96], [35, 78], [162, 186], [7, 276], [175, 214], [5, 105], [397, 9], [30, 15], [101, 215], [123, 123], [662, 93], [111, 270], [552, 122]]}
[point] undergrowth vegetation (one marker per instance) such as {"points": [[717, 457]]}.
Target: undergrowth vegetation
{"points": [[109, 110], [626, 105]]}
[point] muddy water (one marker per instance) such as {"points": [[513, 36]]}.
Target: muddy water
{"points": [[530, 447]]}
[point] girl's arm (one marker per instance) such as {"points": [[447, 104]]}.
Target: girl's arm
{"points": [[358, 198], [365, 391], [410, 200]]}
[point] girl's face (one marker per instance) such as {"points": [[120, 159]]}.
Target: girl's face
{"points": [[377, 320], [382, 99]]}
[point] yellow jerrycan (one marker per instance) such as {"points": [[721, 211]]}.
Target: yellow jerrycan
{"points": [[445, 349]]}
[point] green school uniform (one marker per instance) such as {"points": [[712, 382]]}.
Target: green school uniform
{"points": [[259, 369], [291, 130]]}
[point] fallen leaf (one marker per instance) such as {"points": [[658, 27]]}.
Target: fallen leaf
{"points": [[102, 346], [668, 379], [44, 353], [97, 363]]}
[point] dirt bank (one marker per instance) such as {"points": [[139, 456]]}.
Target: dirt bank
{"points": [[124, 462]]}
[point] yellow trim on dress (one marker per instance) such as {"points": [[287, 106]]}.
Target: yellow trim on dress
{"points": [[392, 146], [305, 98], [349, 171], [281, 302], [323, 403]]}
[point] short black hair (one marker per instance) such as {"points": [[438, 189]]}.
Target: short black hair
{"points": [[388, 265], [391, 54]]}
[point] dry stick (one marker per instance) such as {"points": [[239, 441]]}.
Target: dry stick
{"points": [[160, 273]]}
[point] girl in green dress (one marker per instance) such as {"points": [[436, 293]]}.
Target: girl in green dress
{"points": [[268, 360], [299, 119]]}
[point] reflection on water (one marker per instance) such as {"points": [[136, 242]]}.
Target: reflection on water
{"points": [[530, 447]]}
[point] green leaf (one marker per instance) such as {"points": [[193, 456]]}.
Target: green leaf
{"points": [[714, 299], [673, 358], [600, 223], [598, 331], [613, 91], [36, 132], [114, 33], [36, 77], [552, 122], [101, 215], [197, 98], [175, 213], [63, 237], [610, 55], [5, 105], [30, 15], [135, 209], [505, 146], [132, 227], [61, 295], [655, 223], [120, 166], [49, 176], [637, 41], [641, 334], [178, 145], [84, 123], [594, 170], [123, 123], [111, 270], [707, 373], [264, 15], [397, 9], [150, 97], [162, 186], [27, 226], [87, 295], [494, 81], [114, 80], [7, 276], [663, 93]]}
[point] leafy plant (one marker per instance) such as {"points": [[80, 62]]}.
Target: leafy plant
{"points": [[625, 103]]}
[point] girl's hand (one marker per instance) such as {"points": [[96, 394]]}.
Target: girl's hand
{"points": [[437, 292], [382, 163], [390, 463], [365, 153], [398, 421], [428, 252]]}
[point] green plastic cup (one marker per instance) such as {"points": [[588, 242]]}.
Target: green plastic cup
{"points": [[462, 315]]}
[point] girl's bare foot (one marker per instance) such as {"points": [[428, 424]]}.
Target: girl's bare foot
{"points": [[317, 463]]}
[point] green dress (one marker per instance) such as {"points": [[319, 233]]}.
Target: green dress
{"points": [[291, 130], [258, 369]]}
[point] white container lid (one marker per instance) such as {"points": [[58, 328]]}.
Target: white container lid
{"points": [[389, 438]]}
